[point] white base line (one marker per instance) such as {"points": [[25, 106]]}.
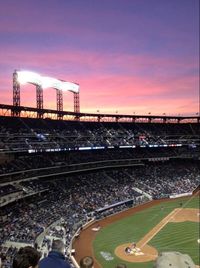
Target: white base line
{"points": [[174, 212], [165, 221]]}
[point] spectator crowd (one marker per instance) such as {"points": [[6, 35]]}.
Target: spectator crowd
{"points": [[33, 207], [24, 134], [75, 199]]}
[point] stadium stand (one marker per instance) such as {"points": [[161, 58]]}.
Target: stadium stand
{"points": [[50, 187], [34, 134]]}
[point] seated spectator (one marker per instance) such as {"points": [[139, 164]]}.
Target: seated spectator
{"points": [[86, 262], [55, 258], [26, 257], [174, 259]]}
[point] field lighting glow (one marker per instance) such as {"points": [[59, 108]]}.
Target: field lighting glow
{"points": [[68, 86], [46, 82], [60, 85], [25, 77]]}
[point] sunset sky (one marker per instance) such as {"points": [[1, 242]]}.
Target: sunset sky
{"points": [[130, 56]]}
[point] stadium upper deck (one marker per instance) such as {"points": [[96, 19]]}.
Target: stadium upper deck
{"points": [[19, 134]]}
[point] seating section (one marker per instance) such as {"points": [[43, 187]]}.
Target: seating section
{"points": [[23, 134], [142, 156], [75, 198]]}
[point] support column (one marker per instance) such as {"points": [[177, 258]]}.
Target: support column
{"points": [[16, 94], [76, 103], [39, 101], [59, 103]]}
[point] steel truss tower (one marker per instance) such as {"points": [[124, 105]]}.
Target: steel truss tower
{"points": [[39, 100], [76, 103], [59, 101], [16, 94]]}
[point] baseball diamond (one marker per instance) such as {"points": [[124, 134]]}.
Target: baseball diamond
{"points": [[160, 225]]}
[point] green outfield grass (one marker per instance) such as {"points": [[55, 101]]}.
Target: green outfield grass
{"points": [[174, 236]]}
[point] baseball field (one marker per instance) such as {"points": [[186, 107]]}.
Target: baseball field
{"points": [[170, 225]]}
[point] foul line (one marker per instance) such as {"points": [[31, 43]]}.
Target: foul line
{"points": [[157, 228], [161, 224]]}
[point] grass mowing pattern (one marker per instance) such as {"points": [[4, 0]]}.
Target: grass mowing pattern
{"points": [[183, 238], [133, 228]]}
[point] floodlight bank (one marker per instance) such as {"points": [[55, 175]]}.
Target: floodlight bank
{"points": [[46, 82]]}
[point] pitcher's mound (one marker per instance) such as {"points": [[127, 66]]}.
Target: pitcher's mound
{"points": [[144, 254]]}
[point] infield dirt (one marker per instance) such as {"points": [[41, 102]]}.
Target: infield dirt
{"points": [[150, 253], [83, 244]]}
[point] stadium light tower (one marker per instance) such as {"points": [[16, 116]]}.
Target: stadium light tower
{"points": [[76, 103], [24, 77], [39, 100], [49, 82], [41, 82], [62, 86], [59, 98], [75, 89], [16, 94]]}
